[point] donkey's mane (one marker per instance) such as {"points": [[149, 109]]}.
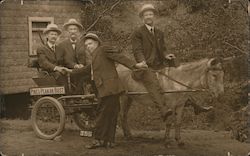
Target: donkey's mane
{"points": [[192, 66]]}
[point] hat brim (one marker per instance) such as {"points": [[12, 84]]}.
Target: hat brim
{"points": [[93, 38], [53, 29], [65, 26], [147, 9]]}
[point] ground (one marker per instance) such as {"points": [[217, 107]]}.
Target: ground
{"points": [[17, 138]]}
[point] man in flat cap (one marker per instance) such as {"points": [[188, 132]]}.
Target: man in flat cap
{"points": [[149, 49], [108, 86], [49, 57], [74, 55]]}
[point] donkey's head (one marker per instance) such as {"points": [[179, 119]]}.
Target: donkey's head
{"points": [[214, 77]]}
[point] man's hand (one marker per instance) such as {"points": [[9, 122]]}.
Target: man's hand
{"points": [[77, 66], [62, 69], [141, 65], [170, 56]]}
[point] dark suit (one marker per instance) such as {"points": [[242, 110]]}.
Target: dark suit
{"points": [[108, 86], [150, 48], [48, 60], [71, 57], [104, 71]]}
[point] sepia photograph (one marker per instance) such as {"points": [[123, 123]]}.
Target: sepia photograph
{"points": [[124, 78]]}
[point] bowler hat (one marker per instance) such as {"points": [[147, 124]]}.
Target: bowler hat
{"points": [[147, 7], [92, 36], [52, 27], [73, 21]]}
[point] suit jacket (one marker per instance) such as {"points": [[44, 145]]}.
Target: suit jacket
{"points": [[105, 76], [72, 57], [48, 59], [148, 47]]}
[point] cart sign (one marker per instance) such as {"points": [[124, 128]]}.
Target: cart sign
{"points": [[47, 91]]}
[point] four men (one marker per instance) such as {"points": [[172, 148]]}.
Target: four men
{"points": [[149, 51]]}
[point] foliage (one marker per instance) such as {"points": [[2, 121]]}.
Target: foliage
{"points": [[193, 29]]}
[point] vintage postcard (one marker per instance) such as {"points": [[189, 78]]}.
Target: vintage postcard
{"points": [[124, 78]]}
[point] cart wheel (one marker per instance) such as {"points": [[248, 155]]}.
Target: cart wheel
{"points": [[48, 118], [85, 120]]}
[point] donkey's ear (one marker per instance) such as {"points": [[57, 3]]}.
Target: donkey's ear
{"points": [[213, 62]]}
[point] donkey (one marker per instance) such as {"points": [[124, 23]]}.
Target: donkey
{"points": [[203, 74]]}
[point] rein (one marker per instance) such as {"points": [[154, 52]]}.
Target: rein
{"points": [[181, 83]]}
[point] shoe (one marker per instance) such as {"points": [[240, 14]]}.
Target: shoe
{"points": [[108, 144], [95, 145]]}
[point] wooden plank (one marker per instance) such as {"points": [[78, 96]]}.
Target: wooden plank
{"points": [[14, 34], [13, 20], [17, 69], [18, 86], [13, 55], [14, 41], [17, 13], [15, 82], [13, 27], [41, 8], [16, 47], [15, 90], [13, 62], [16, 76], [11, 3]]}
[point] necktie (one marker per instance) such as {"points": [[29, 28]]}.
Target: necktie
{"points": [[152, 31], [74, 46], [53, 48]]}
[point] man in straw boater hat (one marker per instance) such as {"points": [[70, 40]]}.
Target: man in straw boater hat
{"points": [[108, 87], [149, 49], [74, 55], [49, 57]]}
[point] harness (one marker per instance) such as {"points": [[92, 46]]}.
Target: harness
{"points": [[205, 87]]}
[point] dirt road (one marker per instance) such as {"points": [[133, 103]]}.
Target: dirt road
{"points": [[17, 139]]}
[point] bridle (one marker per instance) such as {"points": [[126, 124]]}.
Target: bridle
{"points": [[204, 83]]}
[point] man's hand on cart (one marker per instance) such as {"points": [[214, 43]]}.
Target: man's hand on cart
{"points": [[77, 66], [62, 70]]}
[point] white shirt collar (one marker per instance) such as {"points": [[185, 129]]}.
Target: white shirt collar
{"points": [[72, 41], [149, 27], [50, 45]]}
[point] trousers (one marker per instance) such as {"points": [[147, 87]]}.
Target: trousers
{"points": [[151, 83], [107, 118]]}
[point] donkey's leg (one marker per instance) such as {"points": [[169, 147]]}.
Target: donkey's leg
{"points": [[178, 120], [125, 106], [167, 139]]}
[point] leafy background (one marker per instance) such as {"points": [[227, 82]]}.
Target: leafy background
{"points": [[194, 29]]}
